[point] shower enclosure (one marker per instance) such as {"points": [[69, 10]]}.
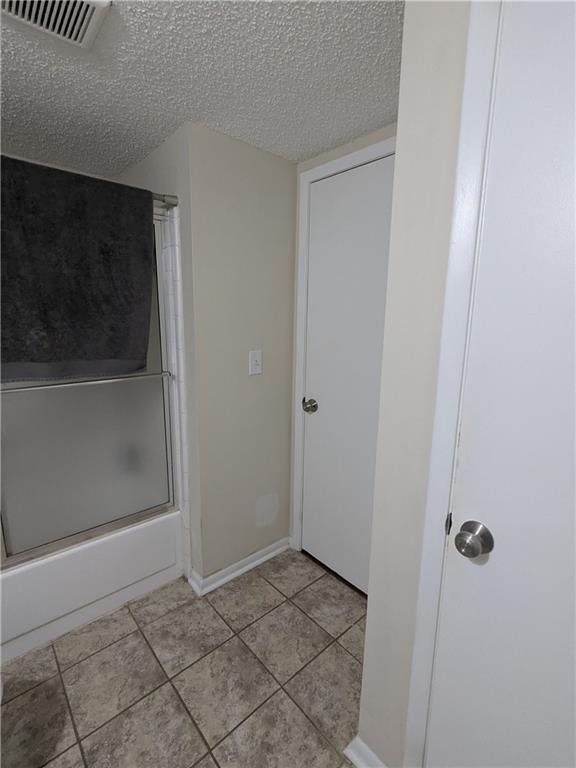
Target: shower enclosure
{"points": [[83, 457]]}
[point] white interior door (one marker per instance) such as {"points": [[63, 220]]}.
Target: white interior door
{"points": [[504, 677], [349, 229]]}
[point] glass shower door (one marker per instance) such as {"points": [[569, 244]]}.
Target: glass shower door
{"points": [[78, 455]]}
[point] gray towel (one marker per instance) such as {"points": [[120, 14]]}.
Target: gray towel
{"points": [[77, 268]]}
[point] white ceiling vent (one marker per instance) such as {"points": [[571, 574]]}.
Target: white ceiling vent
{"points": [[76, 21]]}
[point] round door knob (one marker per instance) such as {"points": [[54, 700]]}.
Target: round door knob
{"points": [[474, 539]]}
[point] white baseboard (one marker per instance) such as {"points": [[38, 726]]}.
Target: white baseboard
{"points": [[361, 756], [45, 598], [203, 585]]}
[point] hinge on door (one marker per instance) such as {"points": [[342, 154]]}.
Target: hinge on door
{"points": [[448, 523]]}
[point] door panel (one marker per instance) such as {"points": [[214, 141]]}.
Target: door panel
{"points": [[348, 256], [503, 683]]}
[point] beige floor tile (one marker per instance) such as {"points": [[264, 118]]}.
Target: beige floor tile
{"points": [[223, 688], [161, 601], [277, 735], [328, 690], [24, 672], [291, 571], [244, 599], [104, 684], [36, 726], [157, 732], [285, 640], [332, 604], [185, 635], [86, 640]]}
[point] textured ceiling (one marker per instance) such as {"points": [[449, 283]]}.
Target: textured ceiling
{"points": [[294, 78]]}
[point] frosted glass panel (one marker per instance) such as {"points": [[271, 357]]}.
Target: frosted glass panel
{"points": [[77, 457]]}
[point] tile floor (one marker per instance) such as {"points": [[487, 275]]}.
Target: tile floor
{"points": [[263, 672]]}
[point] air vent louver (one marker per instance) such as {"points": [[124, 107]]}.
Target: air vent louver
{"points": [[76, 21]]}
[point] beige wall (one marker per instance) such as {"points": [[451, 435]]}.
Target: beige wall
{"points": [[243, 211], [433, 54], [237, 211]]}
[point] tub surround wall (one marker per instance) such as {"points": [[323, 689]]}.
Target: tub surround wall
{"points": [[167, 171]]}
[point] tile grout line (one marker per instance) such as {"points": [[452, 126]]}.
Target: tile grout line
{"points": [[291, 697], [361, 662], [140, 626], [326, 738], [76, 733], [123, 711], [236, 633], [334, 637], [169, 680], [288, 597], [129, 706], [104, 648], [280, 689], [28, 690], [203, 656], [89, 656], [248, 716], [60, 669], [350, 653], [333, 641], [287, 693]]}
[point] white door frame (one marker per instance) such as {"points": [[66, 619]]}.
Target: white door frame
{"points": [[305, 179]]}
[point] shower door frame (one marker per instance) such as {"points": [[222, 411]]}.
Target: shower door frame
{"points": [[165, 232]]}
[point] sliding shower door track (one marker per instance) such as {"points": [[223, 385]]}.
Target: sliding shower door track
{"points": [[85, 382], [44, 550]]}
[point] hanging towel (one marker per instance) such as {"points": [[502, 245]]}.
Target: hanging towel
{"points": [[77, 268]]}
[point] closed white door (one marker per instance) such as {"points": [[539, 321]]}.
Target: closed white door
{"points": [[504, 676], [349, 229]]}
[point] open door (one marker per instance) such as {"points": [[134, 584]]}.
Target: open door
{"points": [[504, 676]]}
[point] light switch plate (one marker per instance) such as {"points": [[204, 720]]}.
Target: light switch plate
{"points": [[255, 362]]}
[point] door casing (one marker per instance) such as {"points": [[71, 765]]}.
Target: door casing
{"points": [[368, 154]]}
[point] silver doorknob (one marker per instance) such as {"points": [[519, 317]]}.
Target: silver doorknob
{"points": [[309, 406], [474, 539]]}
